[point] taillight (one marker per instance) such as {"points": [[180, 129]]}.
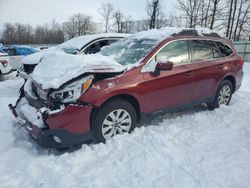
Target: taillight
{"points": [[241, 61], [4, 63]]}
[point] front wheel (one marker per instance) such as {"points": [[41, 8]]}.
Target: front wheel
{"points": [[223, 95], [116, 117]]}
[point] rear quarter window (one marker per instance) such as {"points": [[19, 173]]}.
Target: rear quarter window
{"points": [[205, 50], [225, 50]]}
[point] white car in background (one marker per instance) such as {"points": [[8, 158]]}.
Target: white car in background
{"points": [[5, 68], [16, 53], [87, 44]]}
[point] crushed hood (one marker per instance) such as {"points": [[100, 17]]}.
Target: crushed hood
{"points": [[58, 68]]}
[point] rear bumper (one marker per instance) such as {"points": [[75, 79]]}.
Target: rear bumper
{"points": [[67, 128], [239, 79]]}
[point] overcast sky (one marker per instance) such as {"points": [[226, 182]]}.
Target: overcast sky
{"points": [[36, 12]]}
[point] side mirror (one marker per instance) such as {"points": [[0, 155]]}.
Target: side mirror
{"points": [[163, 66]]}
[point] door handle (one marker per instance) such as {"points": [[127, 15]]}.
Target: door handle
{"points": [[190, 73], [220, 66]]}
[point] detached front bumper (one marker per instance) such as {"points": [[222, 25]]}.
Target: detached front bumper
{"points": [[64, 129]]}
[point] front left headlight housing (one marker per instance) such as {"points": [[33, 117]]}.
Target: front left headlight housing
{"points": [[71, 92]]}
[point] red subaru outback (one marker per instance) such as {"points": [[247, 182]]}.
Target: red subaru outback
{"points": [[71, 99]]}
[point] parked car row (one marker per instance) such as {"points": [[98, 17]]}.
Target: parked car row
{"points": [[70, 99]]}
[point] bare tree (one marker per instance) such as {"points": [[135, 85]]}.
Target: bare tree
{"points": [[233, 18], [17, 33], [155, 14], [106, 11], [79, 24], [244, 19], [207, 13], [214, 11], [229, 17], [118, 17], [153, 11], [25, 34], [191, 10], [126, 25], [238, 19]]}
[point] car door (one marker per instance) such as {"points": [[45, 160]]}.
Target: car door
{"points": [[170, 88], [14, 57], [208, 68]]}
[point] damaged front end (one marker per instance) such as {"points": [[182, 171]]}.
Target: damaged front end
{"points": [[53, 117], [58, 118]]}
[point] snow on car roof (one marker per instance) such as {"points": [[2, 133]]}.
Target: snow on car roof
{"points": [[161, 34], [79, 42]]}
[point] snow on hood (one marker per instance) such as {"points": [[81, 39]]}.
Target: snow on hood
{"points": [[58, 68]]}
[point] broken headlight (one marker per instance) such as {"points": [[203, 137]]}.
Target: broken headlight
{"points": [[71, 92]]}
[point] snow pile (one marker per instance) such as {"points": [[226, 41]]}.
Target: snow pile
{"points": [[59, 68], [195, 148]]}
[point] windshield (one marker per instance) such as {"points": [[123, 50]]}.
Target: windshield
{"points": [[129, 50]]}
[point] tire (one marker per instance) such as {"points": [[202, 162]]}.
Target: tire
{"points": [[223, 95], [116, 117]]}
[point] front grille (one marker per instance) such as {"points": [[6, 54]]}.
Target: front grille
{"points": [[28, 68], [41, 94], [34, 102]]}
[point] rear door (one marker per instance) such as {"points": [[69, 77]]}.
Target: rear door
{"points": [[14, 57], [208, 67], [170, 88]]}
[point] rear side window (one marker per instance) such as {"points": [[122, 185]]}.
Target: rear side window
{"points": [[25, 51], [205, 50], [10, 51], [224, 49], [96, 47], [176, 52]]}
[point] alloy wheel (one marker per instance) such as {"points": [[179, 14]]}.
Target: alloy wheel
{"points": [[224, 95], [116, 122]]}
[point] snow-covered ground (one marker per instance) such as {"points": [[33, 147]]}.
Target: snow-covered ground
{"points": [[192, 148]]}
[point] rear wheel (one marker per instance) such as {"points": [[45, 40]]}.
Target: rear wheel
{"points": [[223, 95], [116, 117]]}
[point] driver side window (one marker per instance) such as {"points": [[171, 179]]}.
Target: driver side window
{"points": [[96, 47], [176, 52]]}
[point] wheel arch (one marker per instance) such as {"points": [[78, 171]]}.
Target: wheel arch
{"points": [[232, 79], [127, 97]]}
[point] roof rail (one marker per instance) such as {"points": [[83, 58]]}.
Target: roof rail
{"points": [[194, 32]]}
